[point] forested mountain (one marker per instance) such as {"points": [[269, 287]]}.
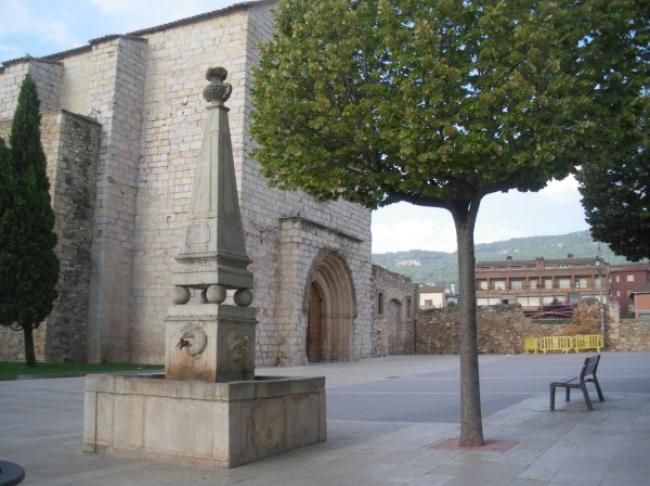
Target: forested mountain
{"points": [[440, 268]]}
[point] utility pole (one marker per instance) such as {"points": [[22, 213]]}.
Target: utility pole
{"points": [[598, 263]]}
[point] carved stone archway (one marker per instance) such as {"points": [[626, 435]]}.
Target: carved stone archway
{"points": [[330, 309]]}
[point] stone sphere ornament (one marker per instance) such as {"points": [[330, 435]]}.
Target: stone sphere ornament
{"points": [[243, 297], [181, 295], [215, 294]]}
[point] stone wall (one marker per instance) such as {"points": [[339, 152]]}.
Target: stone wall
{"points": [[47, 76], [145, 91], [501, 329], [70, 143], [73, 199], [630, 335], [116, 84], [395, 313]]}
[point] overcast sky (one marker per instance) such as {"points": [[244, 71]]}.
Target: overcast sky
{"points": [[40, 27]]}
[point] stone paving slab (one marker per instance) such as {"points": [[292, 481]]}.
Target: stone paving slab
{"points": [[41, 421]]}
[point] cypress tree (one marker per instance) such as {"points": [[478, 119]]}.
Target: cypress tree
{"points": [[29, 268]]}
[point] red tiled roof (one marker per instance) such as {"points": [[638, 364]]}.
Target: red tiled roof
{"points": [[432, 289]]}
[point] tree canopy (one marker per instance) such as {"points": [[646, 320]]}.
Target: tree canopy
{"points": [[437, 104], [615, 177], [29, 267]]}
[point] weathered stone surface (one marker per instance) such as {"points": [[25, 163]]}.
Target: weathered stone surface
{"points": [[71, 145], [395, 313], [217, 424], [501, 329], [145, 91], [210, 342]]}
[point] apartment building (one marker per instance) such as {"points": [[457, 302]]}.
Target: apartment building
{"points": [[624, 280], [539, 282]]}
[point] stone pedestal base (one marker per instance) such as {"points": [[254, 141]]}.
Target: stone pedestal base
{"points": [[217, 424]]}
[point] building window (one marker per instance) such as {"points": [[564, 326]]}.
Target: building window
{"points": [[428, 303], [516, 284], [618, 293], [481, 301], [564, 283], [582, 282], [532, 284], [618, 278], [483, 284], [533, 301], [380, 303], [630, 278], [409, 313], [499, 285], [548, 283]]}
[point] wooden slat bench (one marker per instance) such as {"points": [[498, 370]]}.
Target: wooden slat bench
{"points": [[587, 374]]}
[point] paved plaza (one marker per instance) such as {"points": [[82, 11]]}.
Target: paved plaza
{"points": [[384, 417]]}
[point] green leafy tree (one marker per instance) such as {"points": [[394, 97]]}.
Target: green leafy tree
{"points": [[615, 179], [615, 198], [433, 103], [29, 268]]}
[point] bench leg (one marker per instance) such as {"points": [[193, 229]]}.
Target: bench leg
{"points": [[568, 394], [600, 392], [552, 398], [587, 399]]}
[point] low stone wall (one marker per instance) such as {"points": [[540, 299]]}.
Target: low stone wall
{"points": [[502, 329], [630, 335]]}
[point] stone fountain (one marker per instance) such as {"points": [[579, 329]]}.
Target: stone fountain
{"points": [[208, 407]]}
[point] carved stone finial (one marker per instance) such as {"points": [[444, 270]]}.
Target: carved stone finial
{"points": [[217, 91]]}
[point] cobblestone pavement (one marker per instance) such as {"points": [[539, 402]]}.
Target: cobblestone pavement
{"points": [[384, 416]]}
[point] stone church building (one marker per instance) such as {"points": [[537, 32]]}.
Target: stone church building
{"points": [[122, 121]]}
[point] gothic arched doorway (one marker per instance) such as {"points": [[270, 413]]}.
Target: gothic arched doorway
{"points": [[315, 324], [330, 310]]}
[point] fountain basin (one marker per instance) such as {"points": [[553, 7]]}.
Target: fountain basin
{"points": [[216, 424]]}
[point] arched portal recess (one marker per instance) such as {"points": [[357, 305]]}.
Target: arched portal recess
{"points": [[331, 310]]}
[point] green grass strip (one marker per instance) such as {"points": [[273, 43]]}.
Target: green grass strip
{"points": [[17, 369]]}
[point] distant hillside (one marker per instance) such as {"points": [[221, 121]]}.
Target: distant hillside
{"points": [[440, 268]]}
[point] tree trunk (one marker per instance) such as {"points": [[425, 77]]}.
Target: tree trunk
{"points": [[471, 432], [30, 358]]}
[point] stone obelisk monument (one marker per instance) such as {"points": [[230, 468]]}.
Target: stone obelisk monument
{"points": [[208, 407], [206, 339]]}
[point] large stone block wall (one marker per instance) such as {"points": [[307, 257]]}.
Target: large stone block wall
{"points": [[395, 322], [146, 94], [262, 207], [70, 143], [47, 76], [116, 92], [175, 111]]}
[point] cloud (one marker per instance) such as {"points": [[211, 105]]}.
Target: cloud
{"points": [[434, 234], [147, 13], [491, 231], [17, 20], [564, 191]]}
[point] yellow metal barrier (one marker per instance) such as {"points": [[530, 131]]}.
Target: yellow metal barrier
{"points": [[591, 341], [530, 345], [563, 343]]}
